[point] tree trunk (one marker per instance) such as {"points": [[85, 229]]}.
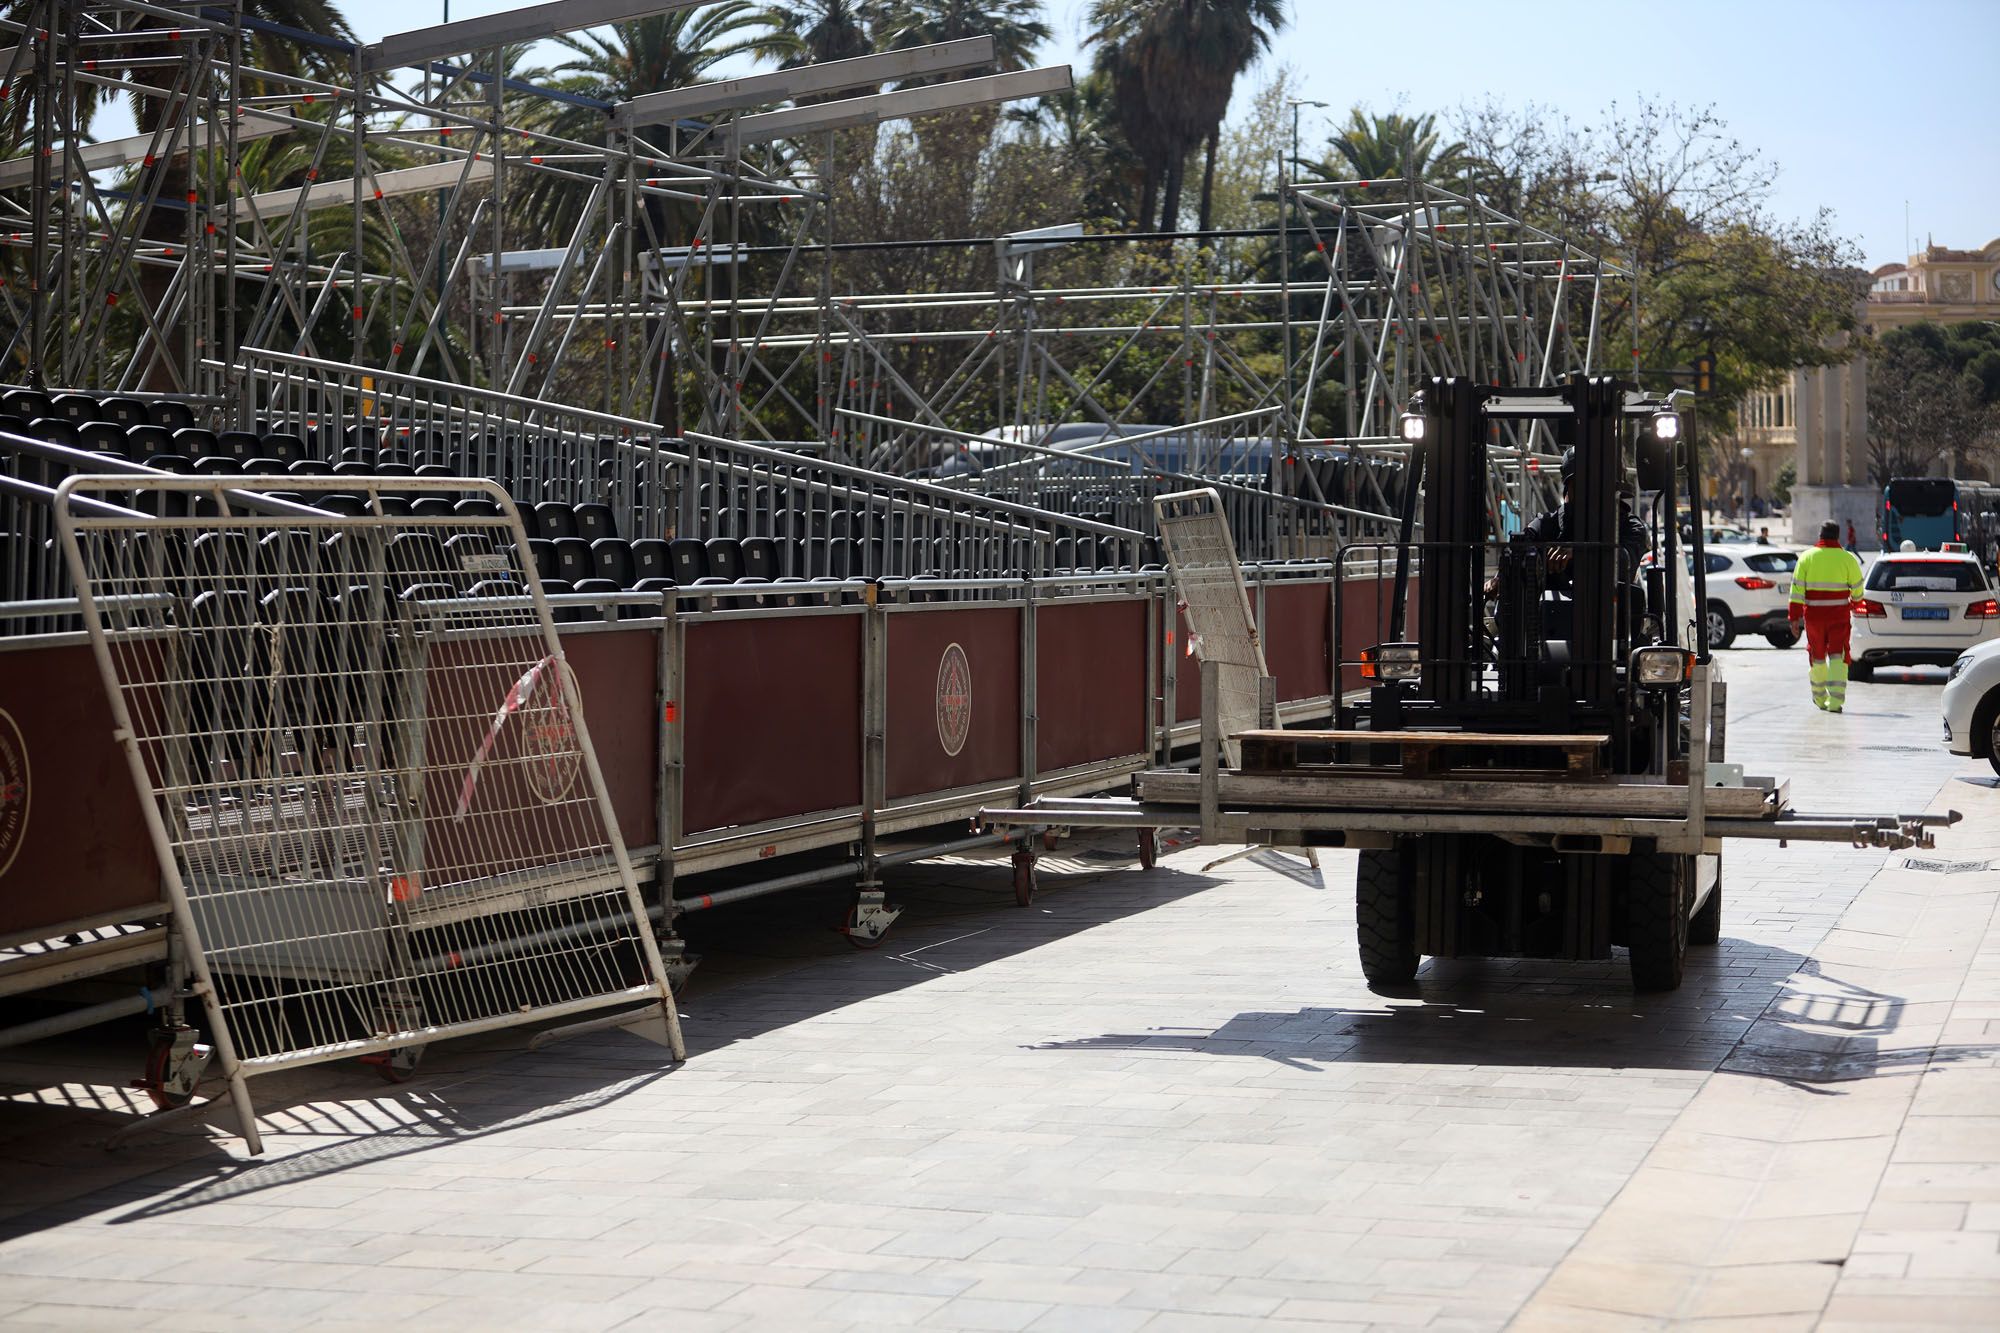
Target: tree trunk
{"points": [[1149, 196], [1208, 177], [1170, 212]]}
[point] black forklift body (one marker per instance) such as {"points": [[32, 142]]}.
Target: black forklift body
{"points": [[1550, 654]]}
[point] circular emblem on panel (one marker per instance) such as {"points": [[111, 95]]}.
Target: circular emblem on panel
{"points": [[954, 699], [548, 740], [13, 790]]}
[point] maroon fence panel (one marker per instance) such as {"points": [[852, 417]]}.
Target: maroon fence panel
{"points": [[771, 719], [954, 699], [1090, 682], [73, 841], [1298, 638]]}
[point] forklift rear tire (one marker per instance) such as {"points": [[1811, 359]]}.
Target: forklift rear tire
{"points": [[1656, 917], [1386, 921], [1781, 638]]}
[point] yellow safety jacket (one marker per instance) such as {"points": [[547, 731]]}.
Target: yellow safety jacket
{"points": [[1828, 578]]}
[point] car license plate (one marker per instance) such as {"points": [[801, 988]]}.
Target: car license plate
{"points": [[1926, 613]]}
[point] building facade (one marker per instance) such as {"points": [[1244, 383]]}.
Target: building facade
{"points": [[1818, 419]]}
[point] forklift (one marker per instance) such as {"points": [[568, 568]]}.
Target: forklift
{"points": [[1527, 747]]}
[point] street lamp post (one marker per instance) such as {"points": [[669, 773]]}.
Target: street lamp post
{"points": [[1744, 509]]}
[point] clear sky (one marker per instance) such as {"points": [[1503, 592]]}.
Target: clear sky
{"points": [[1860, 106]]}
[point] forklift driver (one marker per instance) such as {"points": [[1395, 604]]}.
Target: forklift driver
{"points": [[1554, 527]]}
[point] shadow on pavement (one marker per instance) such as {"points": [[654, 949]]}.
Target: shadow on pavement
{"points": [[488, 1089], [1791, 1021]]}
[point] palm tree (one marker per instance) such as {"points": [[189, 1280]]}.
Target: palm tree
{"points": [[1386, 147], [1016, 27], [824, 29], [1174, 65]]}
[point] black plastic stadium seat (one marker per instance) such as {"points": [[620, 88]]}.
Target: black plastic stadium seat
{"points": [[542, 551], [144, 441], [419, 558], [26, 404], [497, 588], [573, 562], [651, 560], [725, 558], [55, 430], [218, 465], [178, 463], [288, 553], [195, 442], [238, 444], [77, 407], [431, 506], [611, 558], [553, 519], [102, 437], [123, 411], [285, 447], [170, 416], [340, 502], [690, 561], [594, 521], [353, 467], [760, 559], [437, 470], [479, 506]]}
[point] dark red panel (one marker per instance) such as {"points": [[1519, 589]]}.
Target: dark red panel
{"points": [[1298, 638], [1187, 678], [617, 673], [73, 839], [771, 718], [1090, 682], [918, 759]]}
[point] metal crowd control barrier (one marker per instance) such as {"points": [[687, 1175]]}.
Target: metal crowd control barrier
{"points": [[378, 814], [1221, 623]]}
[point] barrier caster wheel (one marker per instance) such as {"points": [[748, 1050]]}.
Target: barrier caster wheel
{"points": [[1149, 848], [1024, 877], [175, 1059], [1051, 840], [397, 1066]]}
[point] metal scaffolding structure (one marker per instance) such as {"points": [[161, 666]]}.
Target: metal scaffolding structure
{"points": [[411, 209]]}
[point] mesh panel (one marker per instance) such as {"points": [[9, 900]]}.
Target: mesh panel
{"points": [[367, 753], [1209, 582]]}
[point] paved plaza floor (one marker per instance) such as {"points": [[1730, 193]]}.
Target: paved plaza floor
{"points": [[1152, 1101]]}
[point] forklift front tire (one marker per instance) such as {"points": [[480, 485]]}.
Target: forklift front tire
{"points": [[1656, 918], [1385, 920]]}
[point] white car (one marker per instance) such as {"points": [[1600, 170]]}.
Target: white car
{"points": [[1972, 704], [1748, 587], [1921, 608]]}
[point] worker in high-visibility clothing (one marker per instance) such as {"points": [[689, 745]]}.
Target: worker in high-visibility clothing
{"points": [[1826, 588]]}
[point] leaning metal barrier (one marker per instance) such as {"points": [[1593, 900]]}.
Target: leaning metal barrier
{"points": [[378, 814]]}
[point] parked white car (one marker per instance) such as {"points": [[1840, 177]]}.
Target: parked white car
{"points": [[1748, 587], [1922, 608], [1972, 704]]}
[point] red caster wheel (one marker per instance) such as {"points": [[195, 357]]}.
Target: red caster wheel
{"points": [[1024, 877], [1149, 848], [1051, 840]]}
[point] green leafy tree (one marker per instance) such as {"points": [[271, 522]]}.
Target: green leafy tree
{"points": [[1934, 400]]}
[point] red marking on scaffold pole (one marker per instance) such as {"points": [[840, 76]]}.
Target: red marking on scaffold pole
{"points": [[671, 713]]}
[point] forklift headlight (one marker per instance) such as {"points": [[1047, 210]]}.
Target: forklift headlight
{"points": [[1662, 666], [1413, 427], [1391, 661], [1666, 425]]}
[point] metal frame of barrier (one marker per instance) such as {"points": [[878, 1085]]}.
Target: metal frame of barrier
{"points": [[295, 765]]}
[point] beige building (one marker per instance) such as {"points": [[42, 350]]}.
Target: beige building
{"points": [[1818, 420]]}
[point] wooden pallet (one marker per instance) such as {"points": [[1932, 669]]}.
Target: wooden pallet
{"points": [[1425, 753]]}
